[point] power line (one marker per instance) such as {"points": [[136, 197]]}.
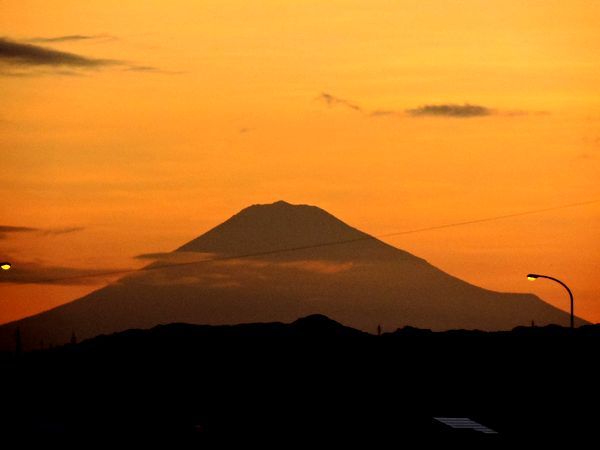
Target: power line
{"points": [[323, 244], [490, 219]]}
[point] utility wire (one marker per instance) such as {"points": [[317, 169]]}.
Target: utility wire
{"points": [[323, 244], [490, 219]]}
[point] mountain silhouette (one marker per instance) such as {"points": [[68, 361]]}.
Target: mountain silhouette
{"points": [[327, 267], [314, 379]]}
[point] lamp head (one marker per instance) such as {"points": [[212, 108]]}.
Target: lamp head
{"points": [[5, 266], [532, 277]]}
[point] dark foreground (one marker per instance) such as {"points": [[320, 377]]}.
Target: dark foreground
{"points": [[313, 382]]}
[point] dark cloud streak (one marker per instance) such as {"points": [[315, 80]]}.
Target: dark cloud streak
{"points": [[177, 257], [384, 112], [11, 229], [18, 59], [450, 110], [70, 37], [37, 72], [19, 54], [5, 230], [151, 69], [59, 231], [142, 69], [33, 272], [333, 101]]}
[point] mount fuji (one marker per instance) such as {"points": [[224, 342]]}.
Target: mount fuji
{"points": [[277, 262]]}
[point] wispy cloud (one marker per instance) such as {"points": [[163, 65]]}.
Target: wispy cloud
{"points": [[24, 59], [151, 69], [70, 38], [27, 72], [6, 230], [142, 69], [335, 101], [522, 112], [21, 54], [319, 266], [176, 257], [58, 231], [385, 112], [450, 110], [184, 258], [38, 272]]}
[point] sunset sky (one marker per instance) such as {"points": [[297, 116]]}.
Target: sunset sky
{"points": [[131, 127]]}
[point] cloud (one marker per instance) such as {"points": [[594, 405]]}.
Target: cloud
{"points": [[57, 231], [142, 69], [210, 271], [384, 112], [70, 37], [183, 257], [18, 59], [176, 257], [28, 72], [36, 272], [318, 266], [151, 69], [334, 101], [180, 277], [187, 269], [19, 54], [5, 230], [521, 112], [450, 110]]}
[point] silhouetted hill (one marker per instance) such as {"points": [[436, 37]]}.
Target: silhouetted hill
{"points": [[359, 281], [311, 380], [180, 335], [548, 331]]}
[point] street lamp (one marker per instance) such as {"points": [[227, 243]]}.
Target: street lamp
{"points": [[535, 276], [5, 266]]}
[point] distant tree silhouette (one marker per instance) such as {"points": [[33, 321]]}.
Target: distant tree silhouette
{"points": [[378, 330], [73, 338]]}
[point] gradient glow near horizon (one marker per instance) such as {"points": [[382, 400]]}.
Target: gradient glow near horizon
{"points": [[389, 115]]}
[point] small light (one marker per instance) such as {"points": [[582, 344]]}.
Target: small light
{"points": [[5, 266], [532, 277]]}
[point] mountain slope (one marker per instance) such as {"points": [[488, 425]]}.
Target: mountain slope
{"points": [[328, 268]]}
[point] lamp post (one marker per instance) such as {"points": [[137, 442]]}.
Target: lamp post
{"points": [[535, 276]]}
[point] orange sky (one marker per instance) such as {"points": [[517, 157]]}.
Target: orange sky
{"points": [[207, 107]]}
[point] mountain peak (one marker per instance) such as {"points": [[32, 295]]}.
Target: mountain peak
{"points": [[274, 204], [279, 205], [273, 226]]}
